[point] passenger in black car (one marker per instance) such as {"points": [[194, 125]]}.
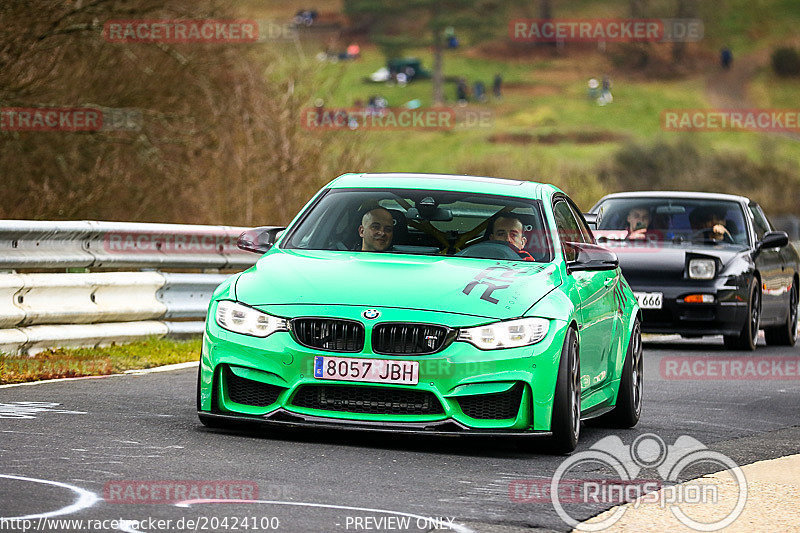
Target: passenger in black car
{"points": [[638, 220]]}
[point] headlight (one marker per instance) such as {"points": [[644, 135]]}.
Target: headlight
{"points": [[247, 321], [702, 268], [511, 334]]}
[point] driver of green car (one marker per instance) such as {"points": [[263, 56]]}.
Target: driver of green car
{"points": [[376, 230]]}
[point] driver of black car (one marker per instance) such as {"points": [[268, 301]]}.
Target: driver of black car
{"points": [[709, 222], [509, 228]]}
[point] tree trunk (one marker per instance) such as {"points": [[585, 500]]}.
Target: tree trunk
{"points": [[686, 9], [637, 8], [545, 9], [438, 74]]}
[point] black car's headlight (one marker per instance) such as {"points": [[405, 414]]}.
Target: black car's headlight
{"points": [[510, 334], [239, 318], [702, 268]]}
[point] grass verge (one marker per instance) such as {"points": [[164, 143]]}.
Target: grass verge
{"points": [[76, 362]]}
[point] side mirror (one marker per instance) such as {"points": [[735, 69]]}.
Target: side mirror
{"points": [[590, 257], [773, 239], [591, 219], [259, 240]]}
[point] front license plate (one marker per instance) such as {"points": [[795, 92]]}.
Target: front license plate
{"points": [[368, 370], [649, 300]]}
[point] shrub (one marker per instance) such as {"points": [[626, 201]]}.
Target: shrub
{"points": [[786, 62], [682, 166]]}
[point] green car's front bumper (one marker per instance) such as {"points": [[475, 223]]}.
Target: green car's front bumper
{"points": [[461, 389]]}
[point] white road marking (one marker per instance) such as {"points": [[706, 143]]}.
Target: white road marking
{"points": [[438, 524], [85, 499], [31, 409]]}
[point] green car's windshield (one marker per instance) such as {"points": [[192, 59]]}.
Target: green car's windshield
{"points": [[424, 222], [673, 220]]}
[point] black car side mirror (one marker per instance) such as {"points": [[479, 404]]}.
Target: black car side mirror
{"points": [[259, 240], [773, 239], [590, 257]]}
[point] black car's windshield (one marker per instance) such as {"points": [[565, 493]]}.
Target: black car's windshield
{"points": [[695, 221], [424, 222]]}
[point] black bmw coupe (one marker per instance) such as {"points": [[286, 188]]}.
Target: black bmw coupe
{"points": [[703, 264]]}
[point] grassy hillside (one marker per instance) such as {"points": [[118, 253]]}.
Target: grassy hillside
{"points": [[546, 128]]}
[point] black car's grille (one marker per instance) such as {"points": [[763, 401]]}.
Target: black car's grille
{"points": [[249, 392], [497, 406], [374, 400], [329, 334], [408, 339]]}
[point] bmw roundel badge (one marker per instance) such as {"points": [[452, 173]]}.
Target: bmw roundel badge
{"points": [[371, 314]]}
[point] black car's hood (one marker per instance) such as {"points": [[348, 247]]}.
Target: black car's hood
{"points": [[666, 261]]}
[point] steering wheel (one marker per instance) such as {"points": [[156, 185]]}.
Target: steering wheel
{"points": [[491, 250], [706, 234]]}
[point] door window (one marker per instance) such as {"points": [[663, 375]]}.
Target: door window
{"points": [[569, 229]]}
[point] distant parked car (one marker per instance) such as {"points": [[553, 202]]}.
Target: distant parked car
{"points": [[703, 264]]}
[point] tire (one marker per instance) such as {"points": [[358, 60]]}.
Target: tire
{"points": [[628, 410], [747, 339], [566, 418], [785, 335]]}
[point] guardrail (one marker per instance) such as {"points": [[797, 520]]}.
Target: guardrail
{"points": [[42, 310], [30, 244]]}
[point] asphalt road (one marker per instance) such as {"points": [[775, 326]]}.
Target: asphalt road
{"points": [[94, 435]]}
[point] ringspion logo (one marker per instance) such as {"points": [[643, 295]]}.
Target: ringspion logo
{"points": [[625, 464]]}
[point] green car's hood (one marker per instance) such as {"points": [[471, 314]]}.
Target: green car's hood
{"points": [[478, 287]]}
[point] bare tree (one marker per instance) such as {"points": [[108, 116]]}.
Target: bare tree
{"points": [[220, 141]]}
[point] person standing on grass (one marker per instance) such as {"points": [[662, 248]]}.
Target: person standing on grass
{"points": [[461, 91], [726, 58], [497, 86]]}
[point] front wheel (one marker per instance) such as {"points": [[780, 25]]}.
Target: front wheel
{"points": [[786, 334], [748, 338], [629, 397], [566, 418]]}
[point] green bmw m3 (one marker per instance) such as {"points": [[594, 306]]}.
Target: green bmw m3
{"points": [[426, 303]]}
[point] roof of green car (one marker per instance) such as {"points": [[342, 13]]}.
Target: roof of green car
{"points": [[447, 182]]}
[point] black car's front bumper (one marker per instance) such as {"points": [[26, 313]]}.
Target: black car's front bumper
{"points": [[725, 316]]}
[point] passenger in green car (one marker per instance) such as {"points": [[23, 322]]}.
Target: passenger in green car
{"points": [[509, 228]]}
